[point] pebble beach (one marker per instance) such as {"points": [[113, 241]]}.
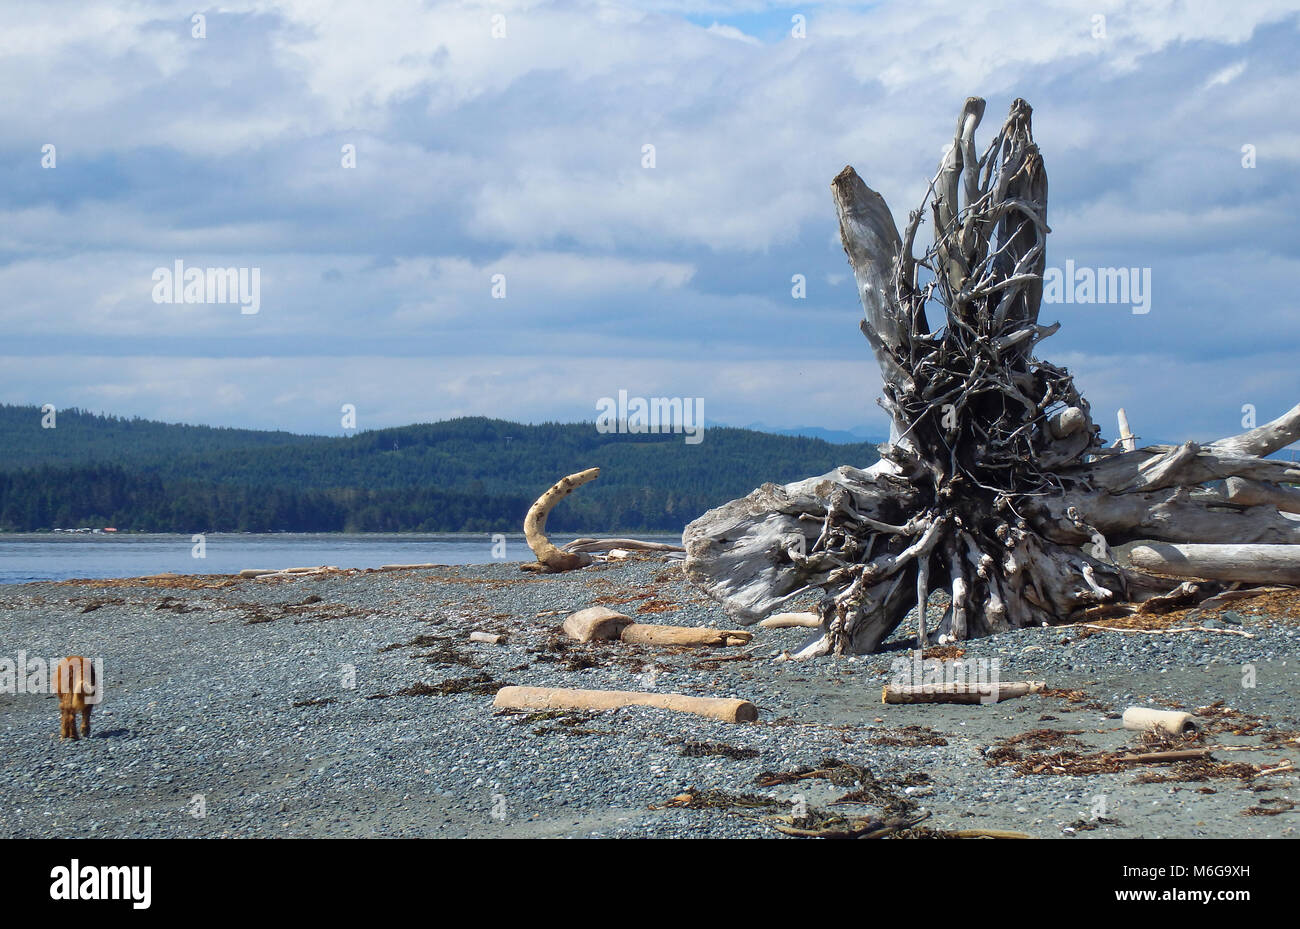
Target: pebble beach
{"points": [[353, 703]]}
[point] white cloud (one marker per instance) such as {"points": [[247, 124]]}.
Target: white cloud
{"points": [[522, 155]]}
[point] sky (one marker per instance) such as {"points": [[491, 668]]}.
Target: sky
{"points": [[451, 208]]}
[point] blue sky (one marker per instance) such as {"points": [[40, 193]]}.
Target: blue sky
{"points": [[522, 156]]}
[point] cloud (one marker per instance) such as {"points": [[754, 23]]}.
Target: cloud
{"points": [[509, 138]]}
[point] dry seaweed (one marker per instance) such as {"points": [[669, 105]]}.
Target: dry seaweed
{"points": [[712, 799], [695, 749], [910, 737]]}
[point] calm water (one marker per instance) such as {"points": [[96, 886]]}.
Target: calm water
{"points": [[46, 556]]}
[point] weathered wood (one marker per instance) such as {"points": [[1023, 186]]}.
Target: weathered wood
{"points": [[549, 558], [607, 545], [791, 620], [653, 634], [1144, 719], [958, 692], [1126, 438], [994, 486], [561, 698], [1256, 564], [595, 622]]}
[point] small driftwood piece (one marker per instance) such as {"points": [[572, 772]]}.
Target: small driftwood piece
{"points": [[791, 621], [598, 622], [1185, 754], [653, 634], [551, 560], [959, 692], [595, 622], [488, 638], [1143, 719], [727, 709], [268, 572], [1286, 766], [1127, 440]]}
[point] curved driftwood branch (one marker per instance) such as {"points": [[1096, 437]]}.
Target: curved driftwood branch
{"points": [[996, 486], [549, 558]]}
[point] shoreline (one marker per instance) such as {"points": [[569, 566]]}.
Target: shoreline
{"points": [[232, 691]]}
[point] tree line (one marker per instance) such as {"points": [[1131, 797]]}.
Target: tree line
{"points": [[470, 474]]}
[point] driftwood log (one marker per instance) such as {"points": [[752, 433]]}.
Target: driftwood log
{"points": [[550, 559], [995, 486], [598, 622], [959, 692], [727, 709]]}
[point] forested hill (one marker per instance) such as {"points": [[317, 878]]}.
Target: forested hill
{"points": [[471, 474]]}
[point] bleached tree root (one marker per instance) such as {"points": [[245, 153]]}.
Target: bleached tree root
{"points": [[997, 488], [550, 559]]}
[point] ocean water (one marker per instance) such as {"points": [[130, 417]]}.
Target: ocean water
{"points": [[48, 556]]}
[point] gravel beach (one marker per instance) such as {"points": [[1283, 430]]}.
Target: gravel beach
{"points": [[354, 704]]}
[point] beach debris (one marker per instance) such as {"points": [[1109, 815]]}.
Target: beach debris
{"points": [[1287, 765], [598, 622], [1143, 719], [1231, 596], [488, 638], [1237, 632], [727, 709], [819, 825], [960, 692], [595, 622], [714, 799], [1253, 563], [790, 621], [1270, 807], [996, 485], [592, 546], [703, 749], [260, 574], [551, 560], [407, 567], [701, 636], [991, 833]]}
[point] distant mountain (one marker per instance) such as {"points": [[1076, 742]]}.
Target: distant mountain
{"points": [[473, 474]]}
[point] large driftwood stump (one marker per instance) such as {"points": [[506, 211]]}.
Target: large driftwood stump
{"points": [[996, 486]]}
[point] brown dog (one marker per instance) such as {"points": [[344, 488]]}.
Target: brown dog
{"points": [[74, 681]]}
